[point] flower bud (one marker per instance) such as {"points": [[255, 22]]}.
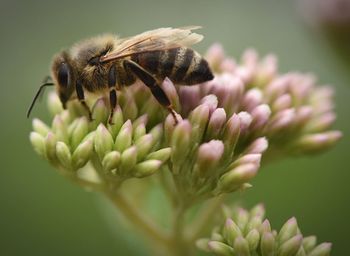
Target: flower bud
{"points": [[267, 244], [231, 180], [242, 218], [170, 90], [208, 156], [40, 127], [144, 145], [231, 133], [253, 238], [38, 143], [211, 101], [258, 211], [139, 131], [79, 132], [323, 249], [245, 121], [241, 246], [199, 118], [215, 55], [100, 112], [111, 161], [103, 141], [317, 142], [265, 227], [202, 244], [260, 116], [309, 243], [216, 123], [64, 155], [129, 107], [281, 121], [146, 168], [162, 155], [60, 129], [180, 142], [82, 153], [124, 137], [291, 246], [220, 248], [320, 123], [50, 147], [288, 230], [252, 99], [258, 146], [282, 102], [117, 122], [128, 160], [54, 104], [231, 231]]}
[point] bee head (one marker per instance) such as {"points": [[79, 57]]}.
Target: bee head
{"points": [[63, 74]]}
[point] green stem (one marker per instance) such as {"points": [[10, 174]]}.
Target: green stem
{"points": [[201, 222], [139, 219]]}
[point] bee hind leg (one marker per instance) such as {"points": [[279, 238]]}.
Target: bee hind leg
{"points": [[152, 84], [112, 83], [80, 93]]}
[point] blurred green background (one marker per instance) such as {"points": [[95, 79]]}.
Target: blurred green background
{"points": [[43, 214]]}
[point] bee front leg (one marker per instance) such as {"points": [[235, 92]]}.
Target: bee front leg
{"points": [[152, 84], [80, 93], [112, 83]]}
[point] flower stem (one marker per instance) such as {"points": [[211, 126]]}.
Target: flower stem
{"points": [[139, 219]]}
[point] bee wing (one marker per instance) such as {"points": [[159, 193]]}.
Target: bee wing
{"points": [[154, 40]]}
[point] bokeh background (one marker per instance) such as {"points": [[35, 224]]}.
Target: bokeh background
{"points": [[43, 214]]}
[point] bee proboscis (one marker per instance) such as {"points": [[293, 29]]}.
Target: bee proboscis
{"points": [[108, 64]]}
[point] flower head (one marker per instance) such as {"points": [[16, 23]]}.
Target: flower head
{"points": [[249, 233]]}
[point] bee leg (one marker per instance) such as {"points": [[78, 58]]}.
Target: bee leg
{"points": [[80, 93], [152, 84], [112, 82]]}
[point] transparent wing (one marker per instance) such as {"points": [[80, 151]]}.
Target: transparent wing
{"points": [[154, 40]]}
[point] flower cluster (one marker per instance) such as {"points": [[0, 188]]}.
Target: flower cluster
{"points": [[224, 127], [249, 233], [117, 152]]}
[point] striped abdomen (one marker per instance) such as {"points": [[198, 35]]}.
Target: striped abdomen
{"points": [[182, 65]]}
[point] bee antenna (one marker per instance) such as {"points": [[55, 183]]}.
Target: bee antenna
{"points": [[41, 88]]}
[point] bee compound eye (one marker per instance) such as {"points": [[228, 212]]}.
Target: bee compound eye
{"points": [[63, 74]]}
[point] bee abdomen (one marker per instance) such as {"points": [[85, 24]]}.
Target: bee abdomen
{"points": [[189, 67], [182, 65]]}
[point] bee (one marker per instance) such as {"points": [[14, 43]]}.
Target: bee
{"points": [[106, 64]]}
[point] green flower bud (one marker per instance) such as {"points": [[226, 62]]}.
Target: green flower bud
{"points": [[38, 143], [100, 112], [111, 161], [216, 123], [60, 129], [199, 118], [267, 245], [253, 238], [231, 231], [103, 141], [202, 244], [291, 246], [258, 211], [323, 249], [144, 145], [117, 122], [79, 132], [309, 243], [128, 160], [81, 154], [231, 133], [139, 131], [146, 168], [40, 127], [162, 154], [254, 223], [180, 143], [265, 227], [242, 218], [288, 230], [50, 146], [220, 249], [54, 104], [231, 180], [124, 137], [157, 132], [129, 108], [64, 155], [241, 246]]}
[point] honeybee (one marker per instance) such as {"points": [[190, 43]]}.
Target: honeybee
{"points": [[106, 64]]}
